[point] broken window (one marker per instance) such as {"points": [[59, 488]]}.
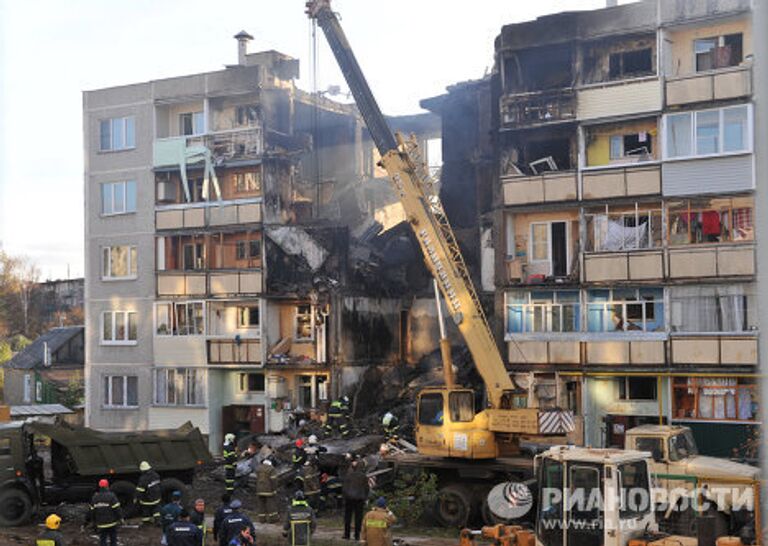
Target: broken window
{"points": [[543, 311], [549, 243], [121, 391], [196, 187], [462, 406], [251, 382], [626, 64], [625, 309], [248, 317], [637, 388], [119, 327], [247, 182], [538, 69], [718, 51], [117, 134], [119, 262], [711, 308], [716, 220], [194, 256], [118, 197], [179, 319], [709, 132], [304, 323], [733, 398], [248, 250], [179, 387], [611, 229], [247, 115], [191, 123]]}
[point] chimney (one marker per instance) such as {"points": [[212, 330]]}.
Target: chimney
{"points": [[242, 38]]}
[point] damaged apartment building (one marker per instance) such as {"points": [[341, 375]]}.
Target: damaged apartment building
{"points": [[246, 259], [623, 247]]}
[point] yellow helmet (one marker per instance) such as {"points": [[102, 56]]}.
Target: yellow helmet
{"points": [[53, 522]]}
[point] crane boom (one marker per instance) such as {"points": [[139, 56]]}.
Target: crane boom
{"points": [[419, 197]]}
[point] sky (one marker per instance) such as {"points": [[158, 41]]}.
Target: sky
{"points": [[51, 51]]}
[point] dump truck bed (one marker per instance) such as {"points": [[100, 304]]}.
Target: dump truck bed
{"points": [[90, 452]]}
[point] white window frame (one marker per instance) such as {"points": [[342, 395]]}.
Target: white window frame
{"points": [[106, 263], [111, 187], [242, 383], [173, 330], [107, 383], [549, 223], [637, 213], [623, 303], [197, 115], [721, 141], [112, 123], [241, 325], [296, 322], [547, 307], [720, 39], [181, 390], [127, 318], [27, 388], [38, 391]]}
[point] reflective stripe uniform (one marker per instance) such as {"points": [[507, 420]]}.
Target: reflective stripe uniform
{"points": [[148, 495], [105, 509], [230, 465], [50, 538], [300, 522], [266, 493], [376, 524], [338, 417]]}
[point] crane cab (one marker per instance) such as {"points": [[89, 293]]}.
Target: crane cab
{"points": [[447, 425]]}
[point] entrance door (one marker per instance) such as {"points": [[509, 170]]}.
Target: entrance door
{"points": [[584, 514], [559, 249], [243, 419]]}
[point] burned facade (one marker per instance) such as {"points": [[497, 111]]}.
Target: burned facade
{"points": [[622, 233], [245, 253]]}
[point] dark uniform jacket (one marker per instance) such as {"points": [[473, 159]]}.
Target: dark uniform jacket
{"points": [[169, 514], [355, 485], [50, 538], [148, 488], [300, 522], [218, 517], [183, 533], [105, 509], [231, 526]]}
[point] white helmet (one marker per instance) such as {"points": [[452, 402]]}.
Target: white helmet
{"points": [[267, 462], [229, 438], [144, 466], [312, 439]]}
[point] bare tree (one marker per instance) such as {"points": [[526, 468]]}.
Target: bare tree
{"points": [[18, 278]]}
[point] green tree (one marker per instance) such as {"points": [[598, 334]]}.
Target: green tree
{"points": [[72, 395], [18, 342], [5, 352], [412, 496]]}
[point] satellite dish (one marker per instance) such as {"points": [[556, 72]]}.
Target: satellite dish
{"points": [[510, 500]]}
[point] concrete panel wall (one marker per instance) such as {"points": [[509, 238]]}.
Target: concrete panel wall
{"points": [[692, 262], [714, 175], [607, 352], [695, 351], [738, 351], [619, 98], [180, 350]]}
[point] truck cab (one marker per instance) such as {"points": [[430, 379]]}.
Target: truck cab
{"points": [[592, 497]]}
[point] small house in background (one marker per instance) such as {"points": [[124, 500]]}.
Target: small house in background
{"points": [[49, 372]]}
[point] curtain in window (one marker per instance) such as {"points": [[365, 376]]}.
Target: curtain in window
{"points": [[709, 308]]}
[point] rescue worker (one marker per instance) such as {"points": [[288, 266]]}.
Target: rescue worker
{"points": [[376, 525], [221, 512], [198, 517], [51, 536], [171, 511], [330, 491], [106, 514], [148, 494], [183, 532], [299, 454], [311, 483], [338, 417], [314, 449], [355, 489], [229, 452], [299, 521], [391, 425], [266, 492], [234, 523]]}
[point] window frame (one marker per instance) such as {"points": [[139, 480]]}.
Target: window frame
{"points": [[731, 227], [126, 121], [173, 329], [195, 116], [718, 39], [638, 213], [112, 187], [547, 310], [568, 242], [695, 383], [611, 302], [241, 325], [132, 259], [692, 141], [296, 315], [109, 395], [243, 383], [127, 316], [181, 390]]}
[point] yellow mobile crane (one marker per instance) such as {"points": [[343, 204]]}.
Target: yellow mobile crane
{"points": [[447, 424]]}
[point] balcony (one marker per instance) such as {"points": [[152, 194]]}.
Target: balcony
{"points": [[544, 352], [538, 108], [619, 98], [715, 350], [722, 84], [543, 188], [624, 181], [229, 148], [211, 214], [231, 351], [576, 352], [214, 284], [707, 261], [623, 352], [636, 265]]}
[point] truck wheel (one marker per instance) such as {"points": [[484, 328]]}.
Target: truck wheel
{"points": [[169, 485], [453, 506], [15, 507], [126, 494]]}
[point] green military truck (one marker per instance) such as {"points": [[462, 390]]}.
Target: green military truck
{"points": [[80, 457]]}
